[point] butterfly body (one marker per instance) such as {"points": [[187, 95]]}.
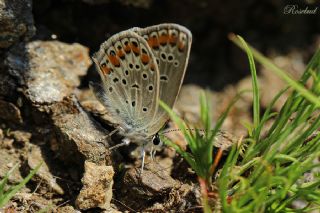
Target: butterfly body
{"points": [[139, 67]]}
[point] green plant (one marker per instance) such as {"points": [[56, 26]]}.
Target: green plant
{"points": [[269, 175], [200, 159], [7, 194]]}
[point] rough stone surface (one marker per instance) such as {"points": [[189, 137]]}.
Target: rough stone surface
{"points": [[16, 21], [22, 137], [153, 184], [8, 86], [8, 161], [49, 69], [97, 187], [10, 112], [80, 137], [31, 202], [35, 157], [67, 209]]}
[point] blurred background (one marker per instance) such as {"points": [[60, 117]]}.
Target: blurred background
{"points": [[215, 61]]}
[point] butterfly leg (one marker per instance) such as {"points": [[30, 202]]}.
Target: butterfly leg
{"points": [[153, 153], [143, 155], [125, 142]]}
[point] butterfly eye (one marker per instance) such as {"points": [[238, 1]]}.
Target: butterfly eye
{"points": [[156, 140]]}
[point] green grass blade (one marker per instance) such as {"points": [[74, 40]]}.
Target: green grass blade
{"points": [[255, 86], [281, 73], [14, 189]]}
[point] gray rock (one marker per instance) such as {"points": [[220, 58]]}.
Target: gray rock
{"points": [[97, 187], [49, 69], [21, 137], [79, 136], [16, 21], [35, 157], [7, 86], [10, 112], [154, 183], [8, 161]]}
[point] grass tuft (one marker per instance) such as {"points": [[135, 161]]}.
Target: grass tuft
{"points": [[7, 194], [270, 175]]}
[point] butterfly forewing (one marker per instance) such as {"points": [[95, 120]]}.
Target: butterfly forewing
{"points": [[170, 44], [130, 79]]}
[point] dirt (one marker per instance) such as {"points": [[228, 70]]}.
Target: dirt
{"points": [[48, 114]]}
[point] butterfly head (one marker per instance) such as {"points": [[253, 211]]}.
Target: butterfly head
{"points": [[140, 137]]}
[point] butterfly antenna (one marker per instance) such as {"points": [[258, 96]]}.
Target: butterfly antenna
{"points": [[188, 129]]}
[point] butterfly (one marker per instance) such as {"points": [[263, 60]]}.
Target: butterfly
{"points": [[139, 67]]}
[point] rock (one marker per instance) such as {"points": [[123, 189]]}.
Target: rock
{"points": [[49, 69], [16, 21], [21, 137], [8, 161], [35, 157], [1, 135], [97, 187], [66, 209], [188, 103], [294, 64], [153, 184], [80, 138], [30, 202], [7, 86], [10, 112], [91, 104]]}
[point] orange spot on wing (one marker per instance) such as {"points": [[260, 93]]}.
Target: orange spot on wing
{"points": [[152, 67], [173, 39], [163, 39], [135, 49], [106, 70], [114, 60], [127, 48], [120, 54], [153, 42], [145, 59], [181, 46]]}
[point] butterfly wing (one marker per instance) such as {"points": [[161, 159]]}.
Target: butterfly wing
{"points": [[170, 44], [130, 80]]}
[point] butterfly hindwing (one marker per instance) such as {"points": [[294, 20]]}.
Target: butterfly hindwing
{"points": [[170, 44], [130, 79]]}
